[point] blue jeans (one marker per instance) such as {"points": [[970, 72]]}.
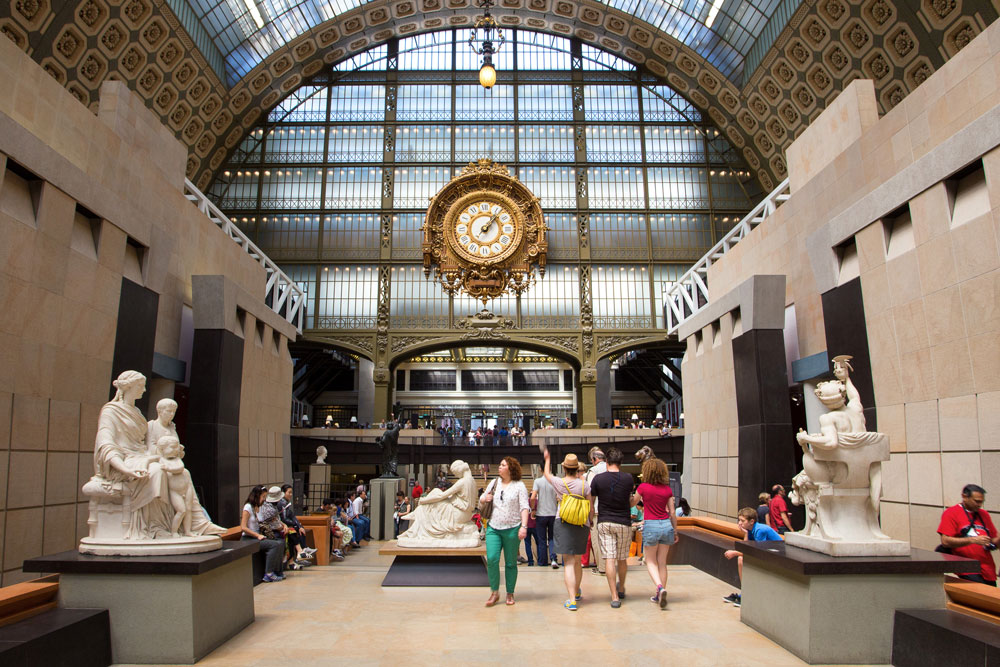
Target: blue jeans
{"points": [[359, 528], [545, 537], [527, 545]]}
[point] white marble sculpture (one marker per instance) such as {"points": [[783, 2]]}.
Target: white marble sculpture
{"points": [[163, 425], [841, 480], [131, 510], [443, 519], [321, 455]]}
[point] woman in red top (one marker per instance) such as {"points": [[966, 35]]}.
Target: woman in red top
{"points": [[659, 529]]}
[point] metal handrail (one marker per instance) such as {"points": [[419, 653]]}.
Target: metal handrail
{"points": [[689, 294], [281, 293]]}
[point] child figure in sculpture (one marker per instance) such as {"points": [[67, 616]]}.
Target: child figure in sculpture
{"points": [[182, 495]]}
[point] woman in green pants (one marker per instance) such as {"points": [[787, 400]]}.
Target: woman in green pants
{"points": [[506, 528]]}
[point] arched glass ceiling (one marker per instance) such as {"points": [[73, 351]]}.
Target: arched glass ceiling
{"points": [[248, 31]]}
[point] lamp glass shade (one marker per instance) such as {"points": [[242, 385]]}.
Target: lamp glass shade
{"points": [[635, 417], [487, 76], [659, 415]]}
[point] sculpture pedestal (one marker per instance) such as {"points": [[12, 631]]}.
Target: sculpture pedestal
{"points": [[435, 567], [383, 503], [171, 546], [164, 609], [837, 610], [841, 548], [319, 484]]}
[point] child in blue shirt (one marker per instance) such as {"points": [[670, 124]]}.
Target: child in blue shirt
{"points": [[755, 532]]}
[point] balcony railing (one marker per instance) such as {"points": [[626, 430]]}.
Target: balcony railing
{"points": [[281, 294], [689, 294]]}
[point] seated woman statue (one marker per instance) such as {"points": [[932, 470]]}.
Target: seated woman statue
{"points": [[444, 518]]}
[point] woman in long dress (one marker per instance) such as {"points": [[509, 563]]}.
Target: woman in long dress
{"points": [[445, 516]]}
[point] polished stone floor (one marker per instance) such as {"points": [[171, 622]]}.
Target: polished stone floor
{"points": [[340, 615]]}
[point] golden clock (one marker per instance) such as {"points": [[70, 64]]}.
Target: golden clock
{"points": [[484, 233]]}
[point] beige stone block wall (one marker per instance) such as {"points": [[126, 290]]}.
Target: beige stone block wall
{"points": [[710, 416], [59, 290], [265, 408]]}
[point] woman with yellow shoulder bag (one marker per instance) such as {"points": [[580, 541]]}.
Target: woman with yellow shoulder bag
{"points": [[572, 523]]}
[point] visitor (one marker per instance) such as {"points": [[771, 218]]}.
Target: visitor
{"points": [[753, 532], [598, 466], [545, 518], [659, 527], [402, 508], [351, 515], [507, 526], [613, 491], [636, 516], [296, 531], [966, 530], [779, 510], [532, 524], [570, 539], [763, 508], [417, 489], [360, 507], [683, 508], [272, 545]]}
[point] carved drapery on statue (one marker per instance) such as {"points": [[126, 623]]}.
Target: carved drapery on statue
{"points": [[841, 481], [444, 518]]}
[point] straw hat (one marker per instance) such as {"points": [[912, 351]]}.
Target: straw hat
{"points": [[571, 462], [274, 494]]}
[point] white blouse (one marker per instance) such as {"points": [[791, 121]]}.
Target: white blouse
{"points": [[508, 501]]}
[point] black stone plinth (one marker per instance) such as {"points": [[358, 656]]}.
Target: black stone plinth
{"points": [[922, 637], [74, 562], [802, 561], [58, 638], [434, 571]]}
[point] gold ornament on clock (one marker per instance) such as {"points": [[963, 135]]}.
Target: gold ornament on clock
{"points": [[484, 233]]}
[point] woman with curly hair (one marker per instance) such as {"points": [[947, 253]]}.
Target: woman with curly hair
{"points": [[506, 527], [659, 526]]}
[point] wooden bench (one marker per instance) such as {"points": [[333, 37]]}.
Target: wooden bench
{"points": [[702, 542], [318, 536], [27, 599], [969, 597]]}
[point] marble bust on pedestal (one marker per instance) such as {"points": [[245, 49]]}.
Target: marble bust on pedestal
{"points": [[841, 481], [131, 511]]}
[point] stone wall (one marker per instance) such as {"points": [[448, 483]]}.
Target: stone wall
{"points": [[85, 202], [910, 203]]}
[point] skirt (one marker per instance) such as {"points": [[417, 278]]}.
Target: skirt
{"points": [[570, 540]]}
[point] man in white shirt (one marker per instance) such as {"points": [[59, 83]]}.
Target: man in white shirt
{"points": [[597, 466], [359, 521]]}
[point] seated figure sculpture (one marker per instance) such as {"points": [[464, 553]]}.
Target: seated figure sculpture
{"points": [[444, 518], [841, 480], [130, 510]]}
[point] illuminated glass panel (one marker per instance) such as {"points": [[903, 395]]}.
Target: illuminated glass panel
{"points": [[505, 305], [292, 187], [354, 103], [416, 185], [688, 232], [556, 186], [595, 59], [353, 187], [348, 297], [545, 102], [423, 143], [295, 145], [563, 235], [248, 152], [356, 144], [373, 60], [240, 192], [495, 142], [617, 143], [546, 143], [661, 104], [473, 102], [304, 105], [620, 297], [416, 301], [351, 234], [618, 236], [664, 277], [424, 102], [290, 234], [677, 187], [407, 235], [616, 187], [430, 51], [674, 143], [612, 103], [554, 301], [304, 275], [539, 51], [726, 189]]}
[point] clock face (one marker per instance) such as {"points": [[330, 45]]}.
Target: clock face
{"points": [[485, 229]]}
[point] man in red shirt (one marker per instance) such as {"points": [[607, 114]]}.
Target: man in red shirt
{"points": [[417, 490], [779, 510], [968, 531]]}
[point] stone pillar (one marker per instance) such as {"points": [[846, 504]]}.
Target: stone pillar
{"points": [[603, 395], [586, 398], [366, 392]]}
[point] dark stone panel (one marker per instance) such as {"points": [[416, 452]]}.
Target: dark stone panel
{"points": [[779, 456], [135, 335], [922, 637], [186, 564], [773, 377], [58, 638], [747, 376], [847, 333], [213, 422], [779, 555], [751, 464]]}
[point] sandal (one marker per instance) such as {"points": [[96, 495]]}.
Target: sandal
{"points": [[494, 598], [510, 599]]}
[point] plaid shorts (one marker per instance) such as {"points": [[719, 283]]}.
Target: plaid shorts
{"points": [[615, 540]]}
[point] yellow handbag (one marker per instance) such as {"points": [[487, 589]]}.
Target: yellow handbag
{"points": [[573, 509]]}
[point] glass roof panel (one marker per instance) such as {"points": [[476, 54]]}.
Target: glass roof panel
{"points": [[248, 31]]}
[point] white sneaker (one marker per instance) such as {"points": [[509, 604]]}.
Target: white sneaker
{"points": [[309, 551]]}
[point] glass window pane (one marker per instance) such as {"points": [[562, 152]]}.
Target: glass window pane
{"points": [[678, 187], [616, 187], [674, 143], [348, 297], [553, 302], [430, 51], [424, 102], [473, 102], [556, 186], [291, 187], [354, 103], [495, 142], [351, 236], [617, 143], [407, 236], [417, 302], [289, 236], [618, 236], [356, 143], [546, 143], [423, 143], [295, 145], [416, 185], [545, 102], [353, 187], [620, 297], [611, 103], [306, 104]]}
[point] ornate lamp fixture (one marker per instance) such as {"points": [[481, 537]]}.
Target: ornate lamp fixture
{"points": [[485, 40]]}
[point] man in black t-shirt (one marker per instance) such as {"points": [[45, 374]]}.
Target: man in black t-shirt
{"points": [[613, 490]]}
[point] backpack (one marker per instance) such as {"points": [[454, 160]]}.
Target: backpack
{"points": [[573, 509]]}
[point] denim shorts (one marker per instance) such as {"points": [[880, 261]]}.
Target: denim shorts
{"points": [[657, 532]]}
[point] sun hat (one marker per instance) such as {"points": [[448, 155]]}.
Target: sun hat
{"points": [[274, 494], [571, 462]]}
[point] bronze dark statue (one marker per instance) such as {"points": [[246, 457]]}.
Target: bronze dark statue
{"points": [[388, 442]]}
